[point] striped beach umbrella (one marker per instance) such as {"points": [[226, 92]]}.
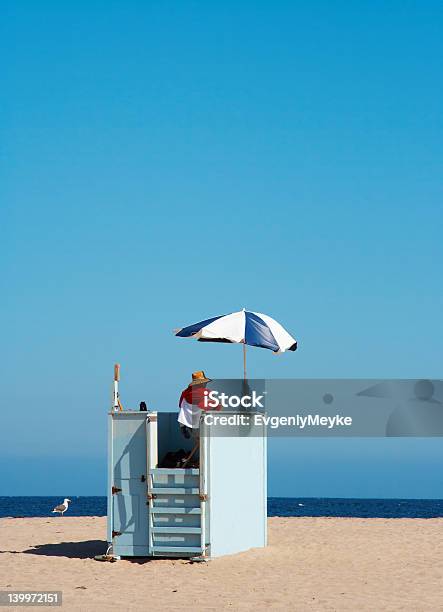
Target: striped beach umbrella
{"points": [[244, 327]]}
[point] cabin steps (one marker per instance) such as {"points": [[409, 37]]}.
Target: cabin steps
{"points": [[175, 512]]}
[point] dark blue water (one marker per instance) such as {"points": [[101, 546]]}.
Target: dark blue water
{"points": [[277, 506], [42, 506], [365, 508]]}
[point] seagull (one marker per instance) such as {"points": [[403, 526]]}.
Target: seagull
{"points": [[62, 507]]}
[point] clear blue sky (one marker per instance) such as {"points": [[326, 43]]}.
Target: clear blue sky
{"points": [[161, 162]]}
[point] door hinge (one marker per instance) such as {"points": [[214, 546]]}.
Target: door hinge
{"points": [[143, 478], [115, 490], [151, 496], [203, 497], [116, 533]]}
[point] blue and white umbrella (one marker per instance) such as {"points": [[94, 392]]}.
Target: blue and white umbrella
{"points": [[242, 327]]}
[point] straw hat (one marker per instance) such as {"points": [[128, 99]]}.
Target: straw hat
{"points": [[198, 378]]}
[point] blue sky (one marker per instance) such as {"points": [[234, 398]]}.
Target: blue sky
{"points": [[163, 162]]}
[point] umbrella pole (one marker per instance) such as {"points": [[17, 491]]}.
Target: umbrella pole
{"points": [[244, 360]]}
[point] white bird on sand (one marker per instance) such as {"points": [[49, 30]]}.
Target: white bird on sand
{"points": [[62, 507]]}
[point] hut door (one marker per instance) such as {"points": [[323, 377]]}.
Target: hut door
{"points": [[129, 509]]}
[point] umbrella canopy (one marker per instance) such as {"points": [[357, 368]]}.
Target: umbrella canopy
{"points": [[244, 327]]}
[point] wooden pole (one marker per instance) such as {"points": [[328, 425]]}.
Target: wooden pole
{"points": [[244, 360], [116, 401]]}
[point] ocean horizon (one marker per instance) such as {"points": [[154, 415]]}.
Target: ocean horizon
{"points": [[41, 506]]}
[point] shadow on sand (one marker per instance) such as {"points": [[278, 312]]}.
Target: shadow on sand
{"points": [[78, 550], [72, 550]]}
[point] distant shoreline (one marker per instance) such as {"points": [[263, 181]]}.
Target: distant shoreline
{"points": [[88, 506]]}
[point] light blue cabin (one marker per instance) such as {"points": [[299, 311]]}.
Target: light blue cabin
{"points": [[216, 509]]}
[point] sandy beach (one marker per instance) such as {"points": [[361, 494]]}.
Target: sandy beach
{"points": [[310, 564]]}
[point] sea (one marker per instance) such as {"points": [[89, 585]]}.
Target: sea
{"points": [[277, 506]]}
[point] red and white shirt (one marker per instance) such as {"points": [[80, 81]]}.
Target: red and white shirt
{"points": [[191, 404]]}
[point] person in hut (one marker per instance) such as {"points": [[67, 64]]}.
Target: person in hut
{"points": [[192, 402]]}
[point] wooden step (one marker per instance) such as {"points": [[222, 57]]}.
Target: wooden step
{"points": [[176, 530], [175, 490], [184, 550], [175, 471], [172, 510]]}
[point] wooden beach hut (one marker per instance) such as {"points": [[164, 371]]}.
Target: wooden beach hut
{"points": [[216, 509]]}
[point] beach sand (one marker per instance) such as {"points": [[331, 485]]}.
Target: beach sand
{"points": [[310, 564]]}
